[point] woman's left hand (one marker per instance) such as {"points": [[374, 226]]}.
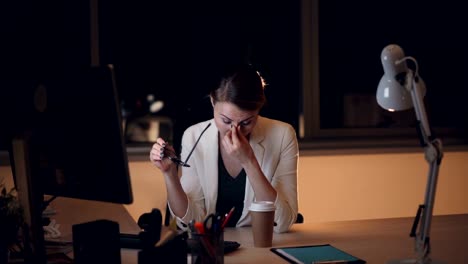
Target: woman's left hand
{"points": [[237, 145]]}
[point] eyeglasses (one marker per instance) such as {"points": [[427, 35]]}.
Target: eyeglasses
{"points": [[184, 163]]}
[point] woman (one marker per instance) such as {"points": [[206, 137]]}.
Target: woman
{"points": [[238, 157]]}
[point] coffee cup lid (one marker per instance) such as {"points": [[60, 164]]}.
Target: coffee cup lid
{"points": [[262, 206]]}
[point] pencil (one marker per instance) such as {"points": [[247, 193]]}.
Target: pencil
{"points": [[228, 216]]}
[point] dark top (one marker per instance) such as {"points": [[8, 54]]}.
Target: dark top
{"points": [[231, 192]]}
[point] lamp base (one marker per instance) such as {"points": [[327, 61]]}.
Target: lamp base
{"points": [[414, 261]]}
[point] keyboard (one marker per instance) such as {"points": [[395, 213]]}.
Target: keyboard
{"points": [[230, 246]]}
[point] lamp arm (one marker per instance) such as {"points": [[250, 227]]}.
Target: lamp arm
{"points": [[418, 103], [433, 155]]}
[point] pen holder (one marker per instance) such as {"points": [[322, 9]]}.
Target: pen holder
{"points": [[206, 248]]}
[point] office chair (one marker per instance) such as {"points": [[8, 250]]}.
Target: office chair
{"points": [[300, 218]]}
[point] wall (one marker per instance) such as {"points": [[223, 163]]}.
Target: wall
{"points": [[346, 187], [343, 187]]}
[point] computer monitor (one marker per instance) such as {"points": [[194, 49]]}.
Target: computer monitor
{"points": [[78, 147], [70, 141]]}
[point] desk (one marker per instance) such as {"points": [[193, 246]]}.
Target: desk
{"points": [[74, 211], [375, 241]]}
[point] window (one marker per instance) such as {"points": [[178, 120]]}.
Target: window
{"points": [[342, 42]]}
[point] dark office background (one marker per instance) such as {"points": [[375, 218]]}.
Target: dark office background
{"points": [[353, 34], [177, 49]]}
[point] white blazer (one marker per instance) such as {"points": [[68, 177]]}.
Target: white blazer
{"points": [[275, 146]]}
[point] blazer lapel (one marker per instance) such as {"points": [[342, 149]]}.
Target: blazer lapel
{"points": [[210, 167]]}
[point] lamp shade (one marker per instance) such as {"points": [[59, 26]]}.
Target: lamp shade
{"points": [[392, 94]]}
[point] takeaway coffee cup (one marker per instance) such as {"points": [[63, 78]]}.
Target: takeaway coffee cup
{"points": [[263, 214]]}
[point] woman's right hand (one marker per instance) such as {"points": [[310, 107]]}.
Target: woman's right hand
{"points": [[159, 155]]}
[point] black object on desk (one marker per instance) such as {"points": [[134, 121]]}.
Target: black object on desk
{"points": [[230, 246], [151, 224], [174, 252], [96, 242]]}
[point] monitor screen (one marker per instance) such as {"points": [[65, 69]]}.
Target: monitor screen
{"points": [[74, 124], [77, 147]]}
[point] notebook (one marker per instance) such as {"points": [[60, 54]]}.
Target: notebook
{"points": [[316, 254]]}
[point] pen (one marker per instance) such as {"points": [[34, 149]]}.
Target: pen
{"points": [[218, 223], [200, 228], [228, 216]]}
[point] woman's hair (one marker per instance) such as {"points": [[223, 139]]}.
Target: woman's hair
{"points": [[242, 86]]}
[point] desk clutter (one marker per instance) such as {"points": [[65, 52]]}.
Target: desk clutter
{"points": [[206, 239], [202, 243], [100, 241]]}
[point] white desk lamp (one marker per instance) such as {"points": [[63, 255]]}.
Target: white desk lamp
{"points": [[399, 89]]}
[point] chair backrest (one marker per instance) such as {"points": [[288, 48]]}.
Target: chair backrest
{"points": [[299, 219]]}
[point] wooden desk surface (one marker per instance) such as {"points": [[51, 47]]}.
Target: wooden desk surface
{"points": [[74, 211], [375, 241]]}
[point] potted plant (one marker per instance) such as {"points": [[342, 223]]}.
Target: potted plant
{"points": [[11, 219]]}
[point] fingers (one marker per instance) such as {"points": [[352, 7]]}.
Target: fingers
{"points": [[160, 150], [161, 142], [157, 152], [235, 135], [227, 139], [237, 145], [231, 140]]}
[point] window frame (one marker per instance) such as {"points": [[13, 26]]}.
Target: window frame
{"points": [[312, 136]]}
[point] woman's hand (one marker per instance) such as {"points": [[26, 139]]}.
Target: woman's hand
{"points": [[159, 155], [237, 145]]}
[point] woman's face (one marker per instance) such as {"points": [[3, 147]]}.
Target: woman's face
{"points": [[227, 115]]}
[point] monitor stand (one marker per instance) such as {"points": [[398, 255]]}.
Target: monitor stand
{"points": [[30, 198]]}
